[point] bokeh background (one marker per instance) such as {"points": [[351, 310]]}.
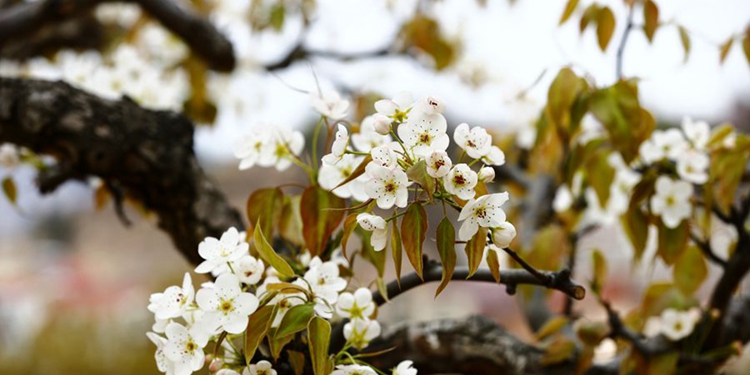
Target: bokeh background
{"points": [[74, 282]]}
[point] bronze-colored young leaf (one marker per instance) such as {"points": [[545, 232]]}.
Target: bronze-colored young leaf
{"points": [[257, 327], [277, 344], [551, 327], [673, 241], [101, 197], [319, 334], [358, 171], [559, 350], [276, 16], [350, 223], [635, 224], [570, 6], [663, 364], [600, 175], [685, 40], [590, 14], [446, 244], [599, 264], [396, 249], [592, 333], [418, 173], [413, 233], [297, 359], [321, 214], [690, 270], [264, 206], [290, 223], [494, 263], [475, 250], [268, 254], [9, 189], [605, 27], [724, 49], [618, 109], [295, 320], [563, 93], [661, 295], [651, 19]]}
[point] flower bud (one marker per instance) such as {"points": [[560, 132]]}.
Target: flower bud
{"points": [[8, 156], [503, 235], [486, 174], [215, 365], [381, 123]]}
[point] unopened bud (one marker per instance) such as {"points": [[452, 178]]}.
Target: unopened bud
{"points": [[381, 123], [503, 234], [486, 174], [215, 365]]}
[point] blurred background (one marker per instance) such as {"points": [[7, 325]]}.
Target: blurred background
{"points": [[75, 282]]}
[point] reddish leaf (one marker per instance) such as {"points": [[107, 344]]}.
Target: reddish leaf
{"points": [[321, 214], [414, 232], [446, 244]]}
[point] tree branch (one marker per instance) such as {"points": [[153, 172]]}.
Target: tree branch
{"points": [[624, 41], [147, 154], [26, 18], [433, 271]]}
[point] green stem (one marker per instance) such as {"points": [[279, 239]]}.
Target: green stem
{"points": [[316, 136]]}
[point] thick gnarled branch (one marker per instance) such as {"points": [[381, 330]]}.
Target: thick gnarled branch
{"points": [[147, 154]]}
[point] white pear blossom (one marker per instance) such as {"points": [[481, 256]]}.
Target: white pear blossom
{"points": [[261, 368], [368, 137], [669, 144], [8, 156], [330, 176], [160, 325], [486, 174], [405, 368], [423, 133], [357, 305], [673, 324], [217, 253], [353, 370], [326, 284], [174, 301], [248, 269], [503, 234], [396, 108], [697, 132], [476, 142], [671, 200], [384, 157], [387, 187], [226, 371], [338, 148], [438, 164], [378, 227], [460, 181], [563, 199], [249, 148], [162, 362], [495, 157], [692, 166], [430, 105], [359, 332], [485, 211], [184, 348], [330, 105], [283, 145], [226, 305], [620, 190]]}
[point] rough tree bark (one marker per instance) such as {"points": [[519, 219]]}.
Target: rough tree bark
{"points": [[145, 154]]}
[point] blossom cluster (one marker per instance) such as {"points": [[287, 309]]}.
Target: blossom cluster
{"points": [[186, 320], [673, 324]]}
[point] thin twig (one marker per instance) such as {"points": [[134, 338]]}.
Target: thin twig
{"points": [[708, 251], [624, 41]]}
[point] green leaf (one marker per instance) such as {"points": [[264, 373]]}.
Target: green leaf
{"points": [[651, 19], [494, 263], [10, 190], [257, 327], [600, 270], [277, 16], [592, 333], [396, 249], [570, 6], [264, 206], [551, 327], [268, 254], [475, 250], [724, 50], [663, 364], [590, 14], [600, 175], [627, 124], [563, 93], [418, 173], [746, 45], [295, 320], [685, 40], [321, 214], [319, 334], [673, 241], [635, 224], [414, 232], [690, 270], [446, 244], [277, 344], [605, 27], [559, 350], [661, 295]]}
